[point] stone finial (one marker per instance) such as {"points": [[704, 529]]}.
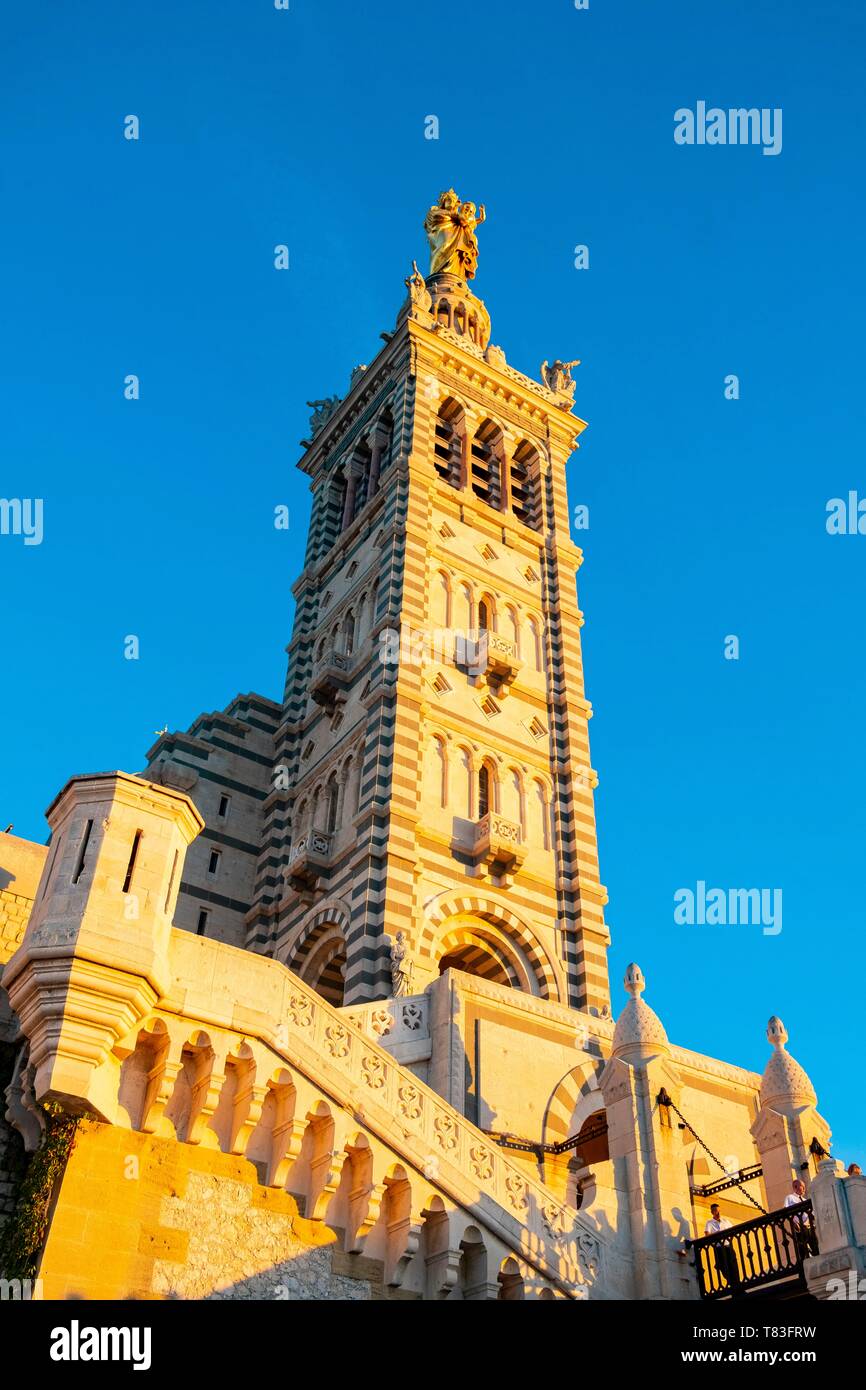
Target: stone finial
{"points": [[634, 982], [777, 1033], [784, 1082], [639, 1031]]}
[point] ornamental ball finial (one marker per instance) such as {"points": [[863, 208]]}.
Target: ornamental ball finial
{"points": [[777, 1033], [634, 982]]}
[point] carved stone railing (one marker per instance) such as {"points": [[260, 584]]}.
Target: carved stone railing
{"points": [[496, 657], [499, 844], [331, 675], [488, 655], [268, 1070], [309, 856], [768, 1250], [401, 1026]]}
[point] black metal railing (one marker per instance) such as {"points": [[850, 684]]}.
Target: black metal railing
{"points": [[596, 1130], [768, 1250]]}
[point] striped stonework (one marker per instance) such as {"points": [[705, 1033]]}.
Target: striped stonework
{"points": [[406, 775]]}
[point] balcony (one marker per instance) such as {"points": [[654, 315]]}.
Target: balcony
{"points": [[499, 844], [761, 1256], [307, 861], [330, 678], [491, 656]]}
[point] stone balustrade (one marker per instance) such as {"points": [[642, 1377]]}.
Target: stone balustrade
{"points": [[401, 1026], [499, 843], [240, 1055]]}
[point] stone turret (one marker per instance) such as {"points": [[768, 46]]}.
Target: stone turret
{"points": [[639, 1032], [650, 1179], [100, 924], [788, 1122]]}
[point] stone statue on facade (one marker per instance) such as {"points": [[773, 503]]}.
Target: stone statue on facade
{"points": [[450, 228], [419, 295], [322, 412], [558, 377], [401, 967]]}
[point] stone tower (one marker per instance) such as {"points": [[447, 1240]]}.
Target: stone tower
{"points": [[433, 774]]}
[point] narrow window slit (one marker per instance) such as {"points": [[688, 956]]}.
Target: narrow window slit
{"points": [[130, 869], [82, 853], [171, 880]]}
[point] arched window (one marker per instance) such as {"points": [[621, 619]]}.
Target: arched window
{"points": [[332, 803], [484, 623], [535, 644], [462, 618], [440, 600], [525, 485], [435, 774], [449, 443], [514, 626], [487, 463], [513, 798], [349, 633], [539, 817], [463, 799], [383, 441], [484, 789]]}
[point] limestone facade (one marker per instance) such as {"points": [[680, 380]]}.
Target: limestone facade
{"points": [[327, 984]]}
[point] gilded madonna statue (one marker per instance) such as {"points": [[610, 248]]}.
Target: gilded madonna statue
{"points": [[450, 228]]}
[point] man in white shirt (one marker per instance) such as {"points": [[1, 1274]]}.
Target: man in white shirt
{"points": [[804, 1232], [717, 1222], [726, 1260], [796, 1195]]}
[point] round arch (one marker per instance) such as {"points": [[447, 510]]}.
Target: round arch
{"points": [[572, 1101], [317, 952], [497, 926], [478, 953]]}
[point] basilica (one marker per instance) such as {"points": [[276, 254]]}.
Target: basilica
{"points": [[315, 1004]]}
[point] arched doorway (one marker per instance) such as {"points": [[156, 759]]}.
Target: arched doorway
{"points": [[321, 963]]}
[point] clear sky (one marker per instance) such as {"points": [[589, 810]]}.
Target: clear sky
{"points": [[707, 515]]}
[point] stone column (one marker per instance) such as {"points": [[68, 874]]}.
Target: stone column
{"points": [[839, 1204], [349, 503], [650, 1177], [377, 447]]}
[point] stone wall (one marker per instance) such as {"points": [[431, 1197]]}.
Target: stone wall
{"points": [[142, 1217], [13, 1161], [21, 864]]}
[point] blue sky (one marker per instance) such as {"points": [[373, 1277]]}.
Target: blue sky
{"points": [[707, 516]]}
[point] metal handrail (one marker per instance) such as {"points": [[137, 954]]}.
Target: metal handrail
{"points": [[765, 1250]]}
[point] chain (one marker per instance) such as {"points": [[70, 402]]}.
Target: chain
{"points": [[664, 1099]]}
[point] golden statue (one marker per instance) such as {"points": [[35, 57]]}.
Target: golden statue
{"points": [[450, 228]]}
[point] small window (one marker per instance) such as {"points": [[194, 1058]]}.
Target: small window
{"points": [[225, 803], [202, 923], [214, 863], [483, 792], [130, 868]]}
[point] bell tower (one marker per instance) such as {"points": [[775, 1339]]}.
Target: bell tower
{"points": [[433, 773]]}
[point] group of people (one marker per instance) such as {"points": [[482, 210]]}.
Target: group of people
{"points": [[802, 1227]]}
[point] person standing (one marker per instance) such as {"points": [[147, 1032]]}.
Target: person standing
{"points": [[726, 1260]]}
